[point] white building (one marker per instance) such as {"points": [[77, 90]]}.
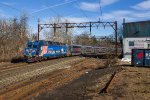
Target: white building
{"points": [[134, 43]]}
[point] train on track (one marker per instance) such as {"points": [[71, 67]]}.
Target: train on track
{"points": [[39, 50]]}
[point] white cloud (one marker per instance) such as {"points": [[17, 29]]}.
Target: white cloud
{"points": [[95, 6], [129, 15], [142, 15], [145, 5], [89, 6], [107, 2], [142, 12], [117, 15]]}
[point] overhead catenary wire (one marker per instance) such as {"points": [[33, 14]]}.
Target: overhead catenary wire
{"points": [[65, 19], [14, 8], [9, 6], [52, 10], [100, 9], [77, 2], [53, 6]]}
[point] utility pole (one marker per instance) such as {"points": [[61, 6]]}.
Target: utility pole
{"points": [[38, 38], [116, 34], [67, 32], [54, 29]]}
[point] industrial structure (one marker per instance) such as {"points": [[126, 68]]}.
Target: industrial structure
{"points": [[136, 35]]}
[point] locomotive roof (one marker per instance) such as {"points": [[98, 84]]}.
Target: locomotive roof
{"points": [[75, 45], [87, 46], [48, 42]]}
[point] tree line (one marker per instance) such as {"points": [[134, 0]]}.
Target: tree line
{"points": [[13, 36]]}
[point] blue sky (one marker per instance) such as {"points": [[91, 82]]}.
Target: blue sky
{"points": [[77, 11]]}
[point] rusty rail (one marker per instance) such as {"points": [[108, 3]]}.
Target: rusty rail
{"points": [[106, 88]]}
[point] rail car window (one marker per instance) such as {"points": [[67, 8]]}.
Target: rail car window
{"points": [[76, 46], [50, 43]]}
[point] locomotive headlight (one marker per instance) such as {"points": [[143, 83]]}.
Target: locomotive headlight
{"points": [[27, 50], [33, 51]]}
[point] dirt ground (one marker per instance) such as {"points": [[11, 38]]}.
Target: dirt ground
{"points": [[129, 83], [87, 79], [83, 88]]}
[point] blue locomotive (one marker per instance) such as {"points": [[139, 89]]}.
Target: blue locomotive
{"points": [[38, 50]]}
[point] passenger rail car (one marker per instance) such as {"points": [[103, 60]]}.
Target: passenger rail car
{"points": [[87, 50], [74, 50], [96, 50]]}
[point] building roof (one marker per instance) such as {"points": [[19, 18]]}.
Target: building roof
{"points": [[136, 29]]}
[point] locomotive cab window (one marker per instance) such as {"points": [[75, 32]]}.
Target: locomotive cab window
{"points": [[32, 46], [35, 46], [29, 46]]}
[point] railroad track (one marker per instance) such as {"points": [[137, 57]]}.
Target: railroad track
{"points": [[50, 82], [8, 77], [14, 68]]}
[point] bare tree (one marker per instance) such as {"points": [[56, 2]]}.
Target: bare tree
{"points": [[12, 37], [85, 39], [60, 35]]}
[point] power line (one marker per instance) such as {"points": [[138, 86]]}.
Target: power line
{"points": [[56, 12], [53, 6], [82, 10], [10, 6]]}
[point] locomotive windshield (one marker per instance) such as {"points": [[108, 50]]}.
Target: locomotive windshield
{"points": [[32, 45]]}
